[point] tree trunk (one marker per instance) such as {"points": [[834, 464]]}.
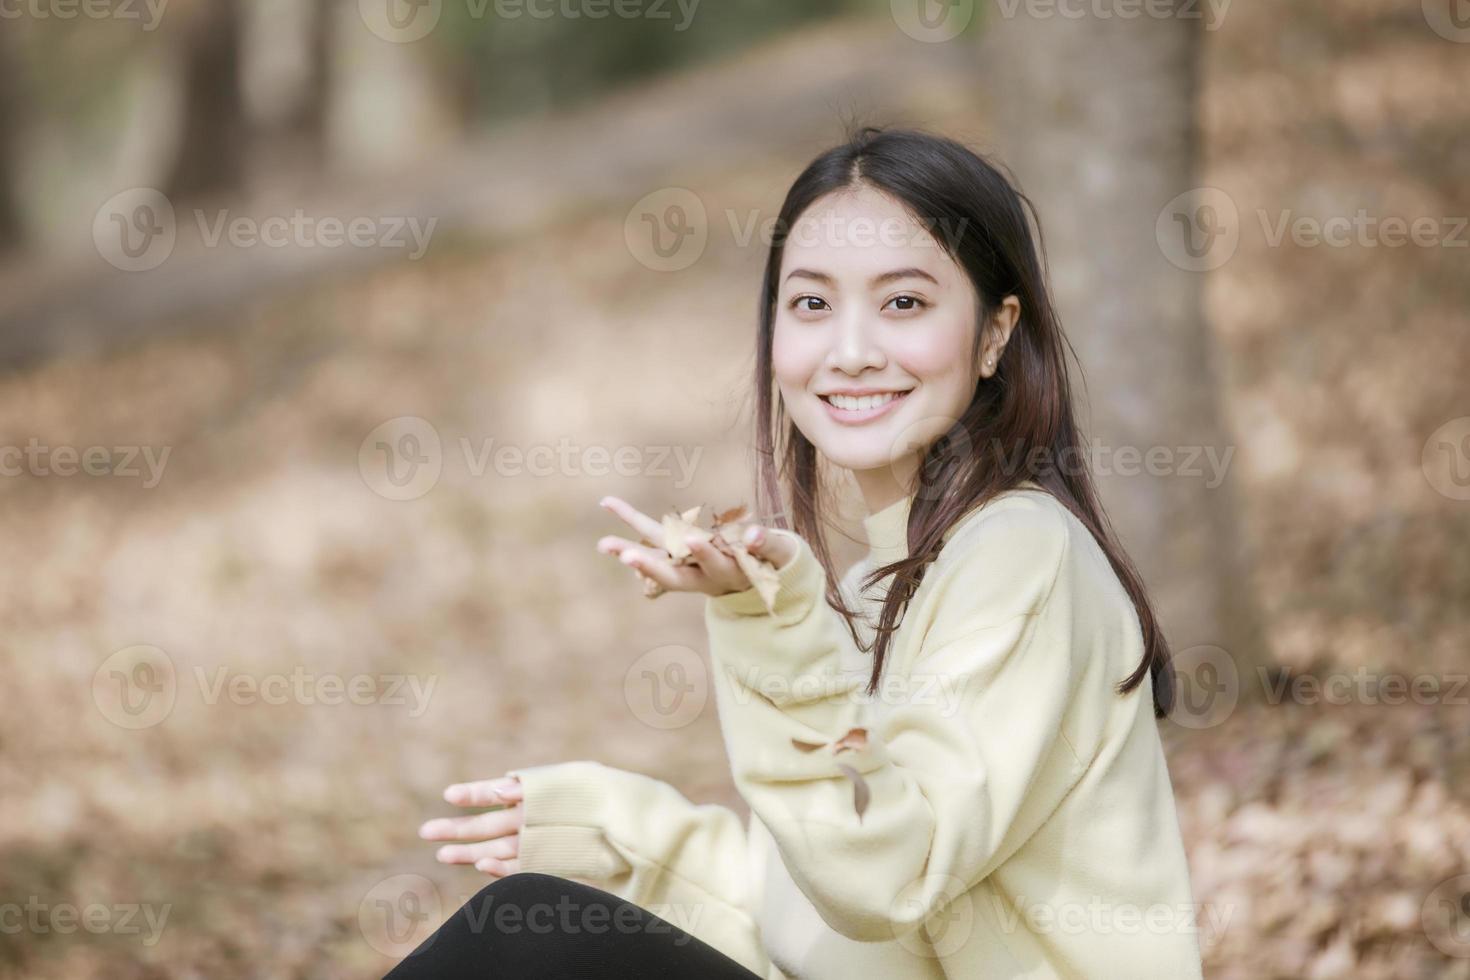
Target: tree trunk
{"points": [[1096, 116], [11, 228], [211, 151]]}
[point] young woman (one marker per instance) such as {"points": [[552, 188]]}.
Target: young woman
{"points": [[951, 753]]}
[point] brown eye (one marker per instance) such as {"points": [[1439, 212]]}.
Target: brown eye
{"points": [[808, 298], [914, 301]]}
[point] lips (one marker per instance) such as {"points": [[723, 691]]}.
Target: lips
{"points": [[849, 409]]}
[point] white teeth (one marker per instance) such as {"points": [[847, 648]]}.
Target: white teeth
{"points": [[862, 403]]}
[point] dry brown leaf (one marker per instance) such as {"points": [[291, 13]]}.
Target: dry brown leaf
{"points": [[860, 792], [856, 738], [726, 536]]}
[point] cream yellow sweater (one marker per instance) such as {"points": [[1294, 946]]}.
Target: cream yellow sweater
{"points": [[1018, 821]]}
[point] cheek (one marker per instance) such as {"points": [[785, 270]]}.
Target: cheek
{"points": [[938, 356], [795, 356]]}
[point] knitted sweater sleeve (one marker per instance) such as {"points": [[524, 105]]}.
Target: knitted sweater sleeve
{"points": [[953, 786], [642, 840]]}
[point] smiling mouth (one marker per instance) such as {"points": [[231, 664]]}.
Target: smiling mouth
{"points": [[862, 403]]}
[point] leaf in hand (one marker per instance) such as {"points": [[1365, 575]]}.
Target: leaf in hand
{"points": [[727, 536]]}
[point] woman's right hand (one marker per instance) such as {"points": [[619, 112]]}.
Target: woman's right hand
{"points": [[493, 836]]}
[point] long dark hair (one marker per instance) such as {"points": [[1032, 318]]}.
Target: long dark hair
{"points": [[1022, 412]]}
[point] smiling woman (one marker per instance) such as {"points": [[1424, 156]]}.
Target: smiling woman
{"points": [[1018, 826]]}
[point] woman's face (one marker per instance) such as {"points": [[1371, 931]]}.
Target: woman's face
{"points": [[874, 329]]}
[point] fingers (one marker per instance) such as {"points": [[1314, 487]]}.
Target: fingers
{"points": [[653, 562], [646, 526], [485, 792], [501, 849], [497, 868], [494, 823], [772, 544]]}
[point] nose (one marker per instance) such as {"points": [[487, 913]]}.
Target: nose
{"points": [[855, 346]]}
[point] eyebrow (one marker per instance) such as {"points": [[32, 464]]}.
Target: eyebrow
{"points": [[873, 283]]}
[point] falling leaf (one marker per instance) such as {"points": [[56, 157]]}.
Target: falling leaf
{"points": [[859, 789]]}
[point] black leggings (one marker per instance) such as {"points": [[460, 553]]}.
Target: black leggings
{"points": [[531, 926]]}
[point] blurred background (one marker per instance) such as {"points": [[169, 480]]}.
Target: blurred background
{"points": [[325, 324]]}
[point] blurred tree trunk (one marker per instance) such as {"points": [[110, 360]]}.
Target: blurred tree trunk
{"points": [[11, 229], [299, 139], [211, 151], [1097, 117]]}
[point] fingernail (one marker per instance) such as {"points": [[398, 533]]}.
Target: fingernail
{"points": [[628, 558], [753, 535], [426, 831], [691, 541]]}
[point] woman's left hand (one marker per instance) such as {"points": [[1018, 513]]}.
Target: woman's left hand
{"points": [[709, 570]]}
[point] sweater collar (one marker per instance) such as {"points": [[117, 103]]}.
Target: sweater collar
{"points": [[888, 529]]}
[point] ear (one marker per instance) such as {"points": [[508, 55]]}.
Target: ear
{"points": [[998, 334]]}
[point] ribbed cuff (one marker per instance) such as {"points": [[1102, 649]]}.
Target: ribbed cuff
{"points": [[563, 813], [569, 852], [801, 580]]}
